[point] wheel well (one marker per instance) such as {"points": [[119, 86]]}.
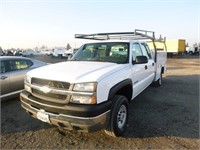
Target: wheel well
{"points": [[124, 88], [126, 91]]}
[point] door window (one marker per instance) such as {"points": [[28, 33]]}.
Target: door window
{"points": [[136, 50], [19, 64]]}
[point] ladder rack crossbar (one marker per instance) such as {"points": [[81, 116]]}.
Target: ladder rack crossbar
{"points": [[136, 35]]}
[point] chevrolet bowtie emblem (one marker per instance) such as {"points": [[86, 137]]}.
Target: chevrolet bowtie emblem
{"points": [[55, 85], [45, 89]]}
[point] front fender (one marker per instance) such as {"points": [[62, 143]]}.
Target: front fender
{"points": [[120, 88]]}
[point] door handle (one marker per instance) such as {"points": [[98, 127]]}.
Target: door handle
{"points": [[145, 67], [3, 77]]}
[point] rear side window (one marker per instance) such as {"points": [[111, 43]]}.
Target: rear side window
{"points": [[19, 64], [146, 50]]}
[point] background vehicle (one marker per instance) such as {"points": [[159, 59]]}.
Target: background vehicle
{"points": [[47, 52], [13, 70], [192, 50], [29, 53], [1, 52], [62, 52], [8, 53], [18, 53], [94, 89], [171, 46]]}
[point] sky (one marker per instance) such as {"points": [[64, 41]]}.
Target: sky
{"points": [[53, 23]]}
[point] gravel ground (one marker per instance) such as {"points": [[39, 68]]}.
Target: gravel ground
{"points": [[160, 118]]}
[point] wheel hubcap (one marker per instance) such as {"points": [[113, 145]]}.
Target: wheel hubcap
{"points": [[121, 117]]}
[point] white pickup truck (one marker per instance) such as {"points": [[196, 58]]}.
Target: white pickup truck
{"points": [[94, 89]]}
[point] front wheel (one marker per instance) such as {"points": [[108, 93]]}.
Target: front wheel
{"points": [[119, 116]]}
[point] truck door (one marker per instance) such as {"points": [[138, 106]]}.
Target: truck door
{"points": [[138, 71]]}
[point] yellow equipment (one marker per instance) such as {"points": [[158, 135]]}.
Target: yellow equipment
{"points": [[172, 46]]}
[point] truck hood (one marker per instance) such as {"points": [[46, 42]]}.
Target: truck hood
{"points": [[76, 71]]}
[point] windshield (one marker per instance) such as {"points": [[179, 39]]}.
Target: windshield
{"points": [[115, 52]]}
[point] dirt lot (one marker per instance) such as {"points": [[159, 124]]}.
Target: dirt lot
{"points": [[160, 118]]}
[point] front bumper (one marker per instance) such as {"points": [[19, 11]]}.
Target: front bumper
{"points": [[76, 117]]}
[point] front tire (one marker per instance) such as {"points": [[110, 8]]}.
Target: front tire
{"points": [[119, 116]]}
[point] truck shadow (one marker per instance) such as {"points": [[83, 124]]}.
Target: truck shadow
{"points": [[170, 110], [15, 119]]}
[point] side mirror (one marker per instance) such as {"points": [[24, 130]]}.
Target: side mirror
{"points": [[141, 60]]}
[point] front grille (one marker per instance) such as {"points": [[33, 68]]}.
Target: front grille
{"points": [[51, 83], [49, 95]]}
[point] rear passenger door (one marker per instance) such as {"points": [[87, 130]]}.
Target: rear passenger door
{"points": [[150, 66]]}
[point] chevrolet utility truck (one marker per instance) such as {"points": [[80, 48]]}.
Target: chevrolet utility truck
{"points": [[94, 89]]}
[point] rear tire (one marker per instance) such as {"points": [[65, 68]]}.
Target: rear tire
{"points": [[159, 81], [119, 116]]}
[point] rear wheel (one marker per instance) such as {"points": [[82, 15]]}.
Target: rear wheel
{"points": [[119, 116], [159, 81]]}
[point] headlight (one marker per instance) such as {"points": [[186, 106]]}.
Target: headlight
{"points": [[27, 79], [85, 87], [83, 99]]}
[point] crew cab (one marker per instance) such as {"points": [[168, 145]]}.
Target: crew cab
{"points": [[93, 90]]}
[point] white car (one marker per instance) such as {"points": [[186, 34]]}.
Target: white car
{"points": [[61, 52], [192, 50], [30, 53], [47, 52]]}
